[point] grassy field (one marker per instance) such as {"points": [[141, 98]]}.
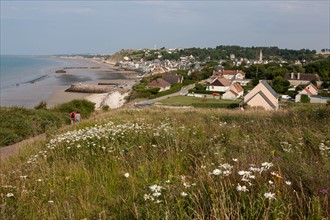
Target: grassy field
{"points": [[176, 164], [189, 100]]}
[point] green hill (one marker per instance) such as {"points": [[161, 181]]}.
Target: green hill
{"points": [[176, 164]]}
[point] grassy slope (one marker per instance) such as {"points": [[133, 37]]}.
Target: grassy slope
{"points": [[18, 123], [81, 173], [189, 100]]}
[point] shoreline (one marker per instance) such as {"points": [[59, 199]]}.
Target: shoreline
{"points": [[50, 87]]}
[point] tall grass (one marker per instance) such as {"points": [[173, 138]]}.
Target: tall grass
{"points": [[177, 164]]}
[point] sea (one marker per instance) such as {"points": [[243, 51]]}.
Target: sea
{"points": [[26, 80]]}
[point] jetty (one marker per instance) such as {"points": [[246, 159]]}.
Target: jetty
{"points": [[60, 71], [81, 88]]}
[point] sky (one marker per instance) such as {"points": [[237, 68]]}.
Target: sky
{"points": [[104, 27]]}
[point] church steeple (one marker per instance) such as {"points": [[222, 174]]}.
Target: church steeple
{"points": [[260, 55]]}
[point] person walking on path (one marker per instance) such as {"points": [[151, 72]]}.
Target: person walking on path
{"points": [[72, 117], [77, 117]]}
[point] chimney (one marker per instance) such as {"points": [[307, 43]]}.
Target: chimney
{"points": [[292, 74], [298, 76]]}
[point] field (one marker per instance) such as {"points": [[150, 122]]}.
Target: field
{"points": [[176, 164]]}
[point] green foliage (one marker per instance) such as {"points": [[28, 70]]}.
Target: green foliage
{"points": [[187, 82], [223, 51], [105, 108], [83, 106], [280, 85], [18, 124], [325, 84], [174, 88], [41, 105], [216, 105], [321, 67], [305, 99], [153, 90]]}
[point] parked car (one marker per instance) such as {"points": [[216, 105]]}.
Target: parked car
{"points": [[286, 97]]}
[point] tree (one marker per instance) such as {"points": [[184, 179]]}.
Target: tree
{"points": [[280, 85], [325, 84]]}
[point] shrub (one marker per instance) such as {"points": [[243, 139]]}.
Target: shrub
{"points": [[215, 105], [305, 99], [83, 106], [41, 105], [105, 108]]}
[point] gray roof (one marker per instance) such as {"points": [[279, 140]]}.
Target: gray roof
{"points": [[270, 89]]}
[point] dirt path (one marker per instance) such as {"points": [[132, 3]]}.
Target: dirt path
{"points": [[12, 149]]}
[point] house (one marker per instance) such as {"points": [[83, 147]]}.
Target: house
{"points": [[309, 90], [230, 95], [263, 96], [230, 74], [172, 78], [160, 83], [234, 92], [236, 87], [218, 85], [302, 78]]}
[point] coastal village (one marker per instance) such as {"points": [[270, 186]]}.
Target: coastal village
{"points": [[165, 110], [158, 77]]}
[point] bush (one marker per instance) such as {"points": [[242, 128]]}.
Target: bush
{"points": [[41, 105], [83, 106], [105, 108], [305, 99], [216, 105], [175, 88]]}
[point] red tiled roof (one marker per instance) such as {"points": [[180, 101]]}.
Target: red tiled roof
{"points": [[238, 87], [309, 92], [159, 83], [233, 92], [220, 82], [171, 78], [312, 85]]}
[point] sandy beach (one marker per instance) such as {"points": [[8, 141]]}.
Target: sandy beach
{"points": [[83, 71]]}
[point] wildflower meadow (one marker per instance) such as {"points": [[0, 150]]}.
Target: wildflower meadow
{"points": [[175, 164]]}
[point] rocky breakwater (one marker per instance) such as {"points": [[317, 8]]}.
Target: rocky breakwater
{"points": [[83, 88]]}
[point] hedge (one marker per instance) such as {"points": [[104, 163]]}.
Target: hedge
{"points": [[215, 105]]}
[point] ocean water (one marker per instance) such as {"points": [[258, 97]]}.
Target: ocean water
{"points": [[16, 70], [26, 80]]}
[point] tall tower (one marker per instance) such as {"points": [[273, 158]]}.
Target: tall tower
{"points": [[260, 55]]}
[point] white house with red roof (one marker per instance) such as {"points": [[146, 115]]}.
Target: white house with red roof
{"points": [[234, 92], [310, 90], [230, 95], [231, 75]]}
